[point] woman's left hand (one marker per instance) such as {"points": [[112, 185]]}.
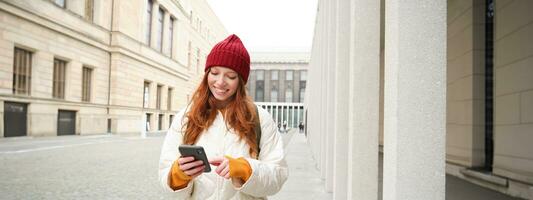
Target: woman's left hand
{"points": [[222, 164]]}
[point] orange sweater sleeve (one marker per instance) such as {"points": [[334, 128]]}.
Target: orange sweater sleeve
{"points": [[239, 168], [177, 179]]}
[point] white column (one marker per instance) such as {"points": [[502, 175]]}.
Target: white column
{"points": [[415, 97], [321, 102], [364, 100], [282, 114], [341, 106], [274, 113], [330, 94], [322, 119], [297, 115], [292, 116]]}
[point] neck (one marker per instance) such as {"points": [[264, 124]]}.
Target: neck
{"points": [[221, 105]]}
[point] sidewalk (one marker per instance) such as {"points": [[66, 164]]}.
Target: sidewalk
{"points": [[304, 178]]}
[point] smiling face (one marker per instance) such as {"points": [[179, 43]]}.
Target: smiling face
{"points": [[223, 82]]}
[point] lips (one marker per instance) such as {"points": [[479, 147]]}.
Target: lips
{"points": [[220, 92]]}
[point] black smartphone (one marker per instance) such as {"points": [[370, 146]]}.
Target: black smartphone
{"points": [[197, 152]]}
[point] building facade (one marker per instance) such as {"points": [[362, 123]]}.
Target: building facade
{"points": [[278, 77], [277, 82], [95, 66], [442, 86]]}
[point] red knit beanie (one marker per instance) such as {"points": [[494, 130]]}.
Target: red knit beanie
{"points": [[232, 54]]}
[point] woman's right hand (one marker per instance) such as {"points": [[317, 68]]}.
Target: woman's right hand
{"points": [[191, 167]]}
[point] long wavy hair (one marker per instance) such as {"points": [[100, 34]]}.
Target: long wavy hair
{"points": [[239, 114]]}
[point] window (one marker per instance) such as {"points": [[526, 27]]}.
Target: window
{"points": [[302, 91], [259, 91], [274, 94], [159, 42], [60, 3], [260, 75], [158, 97], [199, 26], [160, 122], [190, 17], [170, 37], [288, 95], [170, 118], [89, 6], [274, 75], [288, 75], [197, 59], [288, 91], [302, 95], [148, 22], [58, 90], [86, 84], [22, 72], [148, 119], [303, 75], [169, 99], [189, 54], [146, 94]]}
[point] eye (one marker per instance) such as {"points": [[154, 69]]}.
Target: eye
{"points": [[232, 77]]}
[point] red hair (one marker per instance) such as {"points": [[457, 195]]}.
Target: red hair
{"points": [[239, 114]]}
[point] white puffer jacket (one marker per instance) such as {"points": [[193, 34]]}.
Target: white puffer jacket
{"points": [[269, 172]]}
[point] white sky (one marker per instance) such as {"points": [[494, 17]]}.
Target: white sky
{"points": [[269, 25]]}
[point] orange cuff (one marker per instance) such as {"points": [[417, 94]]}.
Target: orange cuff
{"points": [[178, 179], [239, 168]]}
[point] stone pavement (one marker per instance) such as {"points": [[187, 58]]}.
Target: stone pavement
{"points": [[304, 178], [304, 181], [125, 167]]}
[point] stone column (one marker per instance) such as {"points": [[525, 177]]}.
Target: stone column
{"points": [[330, 93], [323, 89], [341, 94], [281, 110], [364, 100], [415, 95]]}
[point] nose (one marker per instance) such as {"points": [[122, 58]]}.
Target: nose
{"points": [[220, 81]]}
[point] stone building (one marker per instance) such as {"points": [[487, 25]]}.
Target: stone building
{"points": [[278, 76], [444, 87], [277, 82], [97, 66]]}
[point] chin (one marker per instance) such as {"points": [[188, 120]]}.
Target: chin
{"points": [[221, 98]]}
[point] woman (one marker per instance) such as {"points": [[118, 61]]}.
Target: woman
{"points": [[221, 118]]}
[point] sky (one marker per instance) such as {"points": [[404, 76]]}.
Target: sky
{"points": [[269, 25]]}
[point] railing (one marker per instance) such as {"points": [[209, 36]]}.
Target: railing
{"points": [[290, 114]]}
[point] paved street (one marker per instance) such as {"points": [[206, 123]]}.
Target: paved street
{"points": [[80, 167], [125, 167]]}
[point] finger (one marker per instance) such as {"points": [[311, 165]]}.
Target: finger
{"points": [[195, 171], [216, 161], [225, 172], [191, 165], [221, 167], [184, 160]]}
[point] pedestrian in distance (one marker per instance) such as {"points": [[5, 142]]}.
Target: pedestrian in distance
{"points": [[239, 138]]}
